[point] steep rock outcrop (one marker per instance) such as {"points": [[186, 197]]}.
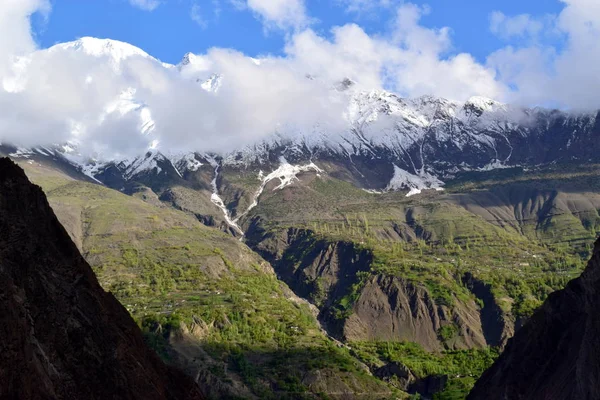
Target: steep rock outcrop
{"points": [[497, 325], [315, 269], [555, 355], [63, 337], [393, 309], [335, 275]]}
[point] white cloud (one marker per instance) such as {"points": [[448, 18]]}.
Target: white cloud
{"points": [[58, 89], [75, 87], [424, 64], [197, 17], [527, 69], [411, 60], [45, 94], [521, 26], [351, 54], [15, 31], [362, 6], [146, 5], [280, 14], [563, 74]]}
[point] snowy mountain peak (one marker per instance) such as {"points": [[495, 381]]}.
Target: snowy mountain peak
{"points": [[435, 107], [153, 162], [428, 100], [481, 104], [212, 84], [115, 49], [188, 59]]}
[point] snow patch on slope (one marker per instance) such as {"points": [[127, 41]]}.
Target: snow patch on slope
{"points": [[91, 170], [218, 201], [414, 183], [142, 164], [187, 162], [287, 175], [21, 152], [493, 165]]}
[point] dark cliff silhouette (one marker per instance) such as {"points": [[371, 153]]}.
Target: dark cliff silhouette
{"points": [[556, 355], [61, 335]]}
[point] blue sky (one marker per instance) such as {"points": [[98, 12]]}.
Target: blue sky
{"points": [[168, 31]]}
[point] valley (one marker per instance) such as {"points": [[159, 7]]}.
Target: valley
{"points": [[395, 256], [332, 290], [299, 200], [206, 302]]}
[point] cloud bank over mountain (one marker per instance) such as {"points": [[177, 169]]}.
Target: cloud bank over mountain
{"points": [[110, 98]]}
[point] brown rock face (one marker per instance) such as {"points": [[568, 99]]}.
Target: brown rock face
{"points": [[61, 335], [556, 354], [386, 308], [393, 309]]}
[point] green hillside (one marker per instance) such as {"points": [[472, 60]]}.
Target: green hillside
{"points": [[464, 268], [206, 302]]}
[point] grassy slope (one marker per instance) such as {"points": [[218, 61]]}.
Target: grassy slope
{"points": [[439, 236], [156, 263], [171, 272], [523, 259], [463, 366]]}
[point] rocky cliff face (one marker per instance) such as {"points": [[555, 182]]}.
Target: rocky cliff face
{"points": [[358, 304], [497, 326], [63, 337], [393, 309], [555, 355], [318, 270]]}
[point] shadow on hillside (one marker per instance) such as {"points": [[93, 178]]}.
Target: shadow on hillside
{"points": [[227, 371]]}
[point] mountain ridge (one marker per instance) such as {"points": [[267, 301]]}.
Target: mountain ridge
{"points": [[424, 135], [471, 212], [554, 355], [63, 336]]}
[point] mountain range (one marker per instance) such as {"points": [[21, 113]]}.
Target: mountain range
{"points": [[423, 141], [404, 240]]}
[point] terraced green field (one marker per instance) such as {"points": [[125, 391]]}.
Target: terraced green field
{"points": [[206, 302], [495, 243]]}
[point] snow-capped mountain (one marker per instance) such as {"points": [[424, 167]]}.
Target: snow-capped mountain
{"points": [[115, 50], [429, 139], [436, 136], [386, 142]]}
